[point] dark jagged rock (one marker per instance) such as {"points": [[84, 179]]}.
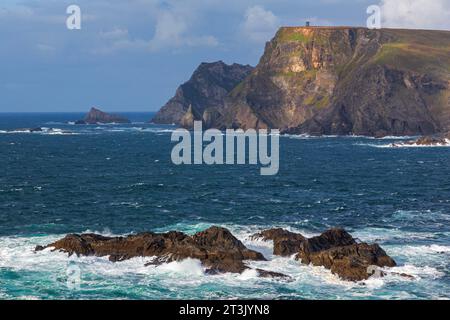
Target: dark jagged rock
{"points": [[349, 262], [329, 239], [335, 250], [217, 249], [338, 251], [207, 88], [96, 116], [285, 243], [271, 274]]}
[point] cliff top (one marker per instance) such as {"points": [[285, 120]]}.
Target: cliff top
{"points": [[355, 28]]}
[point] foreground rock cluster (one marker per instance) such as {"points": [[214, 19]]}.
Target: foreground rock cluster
{"points": [[334, 249], [219, 251]]}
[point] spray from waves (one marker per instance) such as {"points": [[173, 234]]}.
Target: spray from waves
{"points": [[306, 136], [401, 145], [187, 279], [386, 235], [77, 130], [40, 131]]}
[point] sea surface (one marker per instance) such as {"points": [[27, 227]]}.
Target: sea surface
{"points": [[119, 180]]}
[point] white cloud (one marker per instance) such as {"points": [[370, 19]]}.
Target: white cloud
{"points": [[45, 48], [416, 14], [260, 24], [173, 30], [115, 33]]}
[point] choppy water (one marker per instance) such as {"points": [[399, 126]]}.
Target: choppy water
{"points": [[118, 179]]}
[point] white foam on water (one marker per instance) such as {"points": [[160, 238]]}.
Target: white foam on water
{"points": [[188, 267], [248, 275], [401, 145], [373, 234], [45, 131], [424, 215], [17, 253], [416, 272], [421, 250]]}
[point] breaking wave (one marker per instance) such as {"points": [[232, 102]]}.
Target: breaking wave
{"points": [[187, 279]]}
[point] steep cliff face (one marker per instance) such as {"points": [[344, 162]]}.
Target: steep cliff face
{"points": [[346, 81], [207, 88]]}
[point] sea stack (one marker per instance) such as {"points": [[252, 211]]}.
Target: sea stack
{"points": [[96, 116]]}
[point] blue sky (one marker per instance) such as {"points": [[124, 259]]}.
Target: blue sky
{"points": [[132, 55]]}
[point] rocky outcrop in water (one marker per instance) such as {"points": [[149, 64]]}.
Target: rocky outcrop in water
{"points": [[285, 243], [217, 249], [335, 250], [96, 116], [441, 140], [207, 88]]}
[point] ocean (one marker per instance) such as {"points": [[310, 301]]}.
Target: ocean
{"points": [[119, 180]]}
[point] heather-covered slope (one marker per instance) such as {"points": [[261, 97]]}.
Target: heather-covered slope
{"points": [[343, 80]]}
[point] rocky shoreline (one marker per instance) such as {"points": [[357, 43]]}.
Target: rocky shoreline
{"points": [[221, 252]]}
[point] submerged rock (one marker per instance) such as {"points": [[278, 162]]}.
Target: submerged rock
{"points": [[335, 250], [217, 249], [96, 116]]}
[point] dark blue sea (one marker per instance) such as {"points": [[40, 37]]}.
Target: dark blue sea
{"points": [[119, 179]]}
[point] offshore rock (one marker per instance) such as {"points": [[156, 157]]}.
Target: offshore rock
{"points": [[96, 116]]}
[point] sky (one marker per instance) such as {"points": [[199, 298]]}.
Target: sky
{"points": [[132, 55]]}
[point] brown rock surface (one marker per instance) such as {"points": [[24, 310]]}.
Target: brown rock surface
{"points": [[217, 249], [285, 243], [338, 251], [335, 250]]}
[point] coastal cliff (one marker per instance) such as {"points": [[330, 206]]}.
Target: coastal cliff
{"points": [[207, 88], [343, 81]]}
